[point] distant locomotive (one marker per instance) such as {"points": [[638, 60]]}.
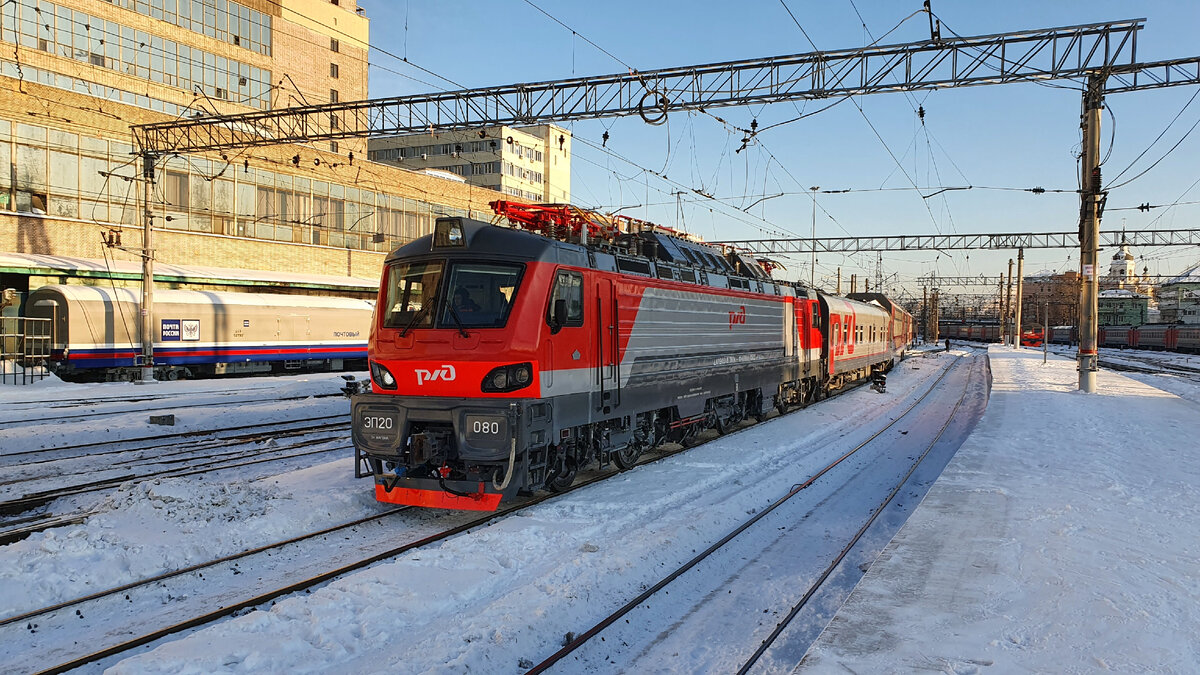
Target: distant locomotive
{"points": [[506, 360], [95, 332], [1031, 338]]}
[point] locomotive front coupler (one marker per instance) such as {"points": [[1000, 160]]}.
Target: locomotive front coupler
{"points": [[430, 446]]}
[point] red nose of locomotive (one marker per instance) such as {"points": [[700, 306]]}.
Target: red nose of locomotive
{"points": [[453, 359]]}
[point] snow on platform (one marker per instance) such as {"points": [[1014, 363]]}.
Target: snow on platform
{"points": [[1063, 537]]}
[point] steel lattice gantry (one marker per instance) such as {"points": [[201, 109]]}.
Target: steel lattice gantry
{"points": [[1043, 54], [945, 242]]}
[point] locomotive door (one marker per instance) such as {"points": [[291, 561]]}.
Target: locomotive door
{"points": [[607, 394]]}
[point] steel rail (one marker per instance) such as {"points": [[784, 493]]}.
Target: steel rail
{"points": [[160, 437], [10, 424], [33, 614], [36, 499], [833, 565]]}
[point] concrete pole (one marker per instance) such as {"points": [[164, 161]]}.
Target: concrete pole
{"points": [[147, 309], [839, 290], [1089, 233], [924, 314], [1020, 290], [1001, 303], [934, 319], [1007, 325], [853, 283]]}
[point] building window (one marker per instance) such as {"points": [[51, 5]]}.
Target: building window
{"points": [[333, 70], [333, 96], [333, 45], [333, 146], [175, 189]]}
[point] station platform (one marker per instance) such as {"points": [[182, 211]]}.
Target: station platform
{"points": [[1062, 537]]}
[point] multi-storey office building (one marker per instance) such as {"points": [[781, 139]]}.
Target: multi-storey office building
{"points": [[525, 163], [75, 74]]}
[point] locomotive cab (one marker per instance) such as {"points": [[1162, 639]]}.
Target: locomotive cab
{"points": [[454, 355]]}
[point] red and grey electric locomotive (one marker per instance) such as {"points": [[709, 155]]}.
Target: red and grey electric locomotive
{"points": [[505, 359]]}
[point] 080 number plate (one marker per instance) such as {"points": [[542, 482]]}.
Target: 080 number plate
{"points": [[480, 429]]}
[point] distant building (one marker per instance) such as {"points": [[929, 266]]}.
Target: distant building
{"points": [[531, 164], [1179, 297], [1053, 295], [1122, 308], [1123, 275]]}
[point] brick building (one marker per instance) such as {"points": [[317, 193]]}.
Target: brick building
{"points": [[75, 74]]}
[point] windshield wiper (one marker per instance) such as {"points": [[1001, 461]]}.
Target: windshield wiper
{"points": [[417, 317], [458, 322]]}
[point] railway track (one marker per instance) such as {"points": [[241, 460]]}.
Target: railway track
{"points": [[588, 638], [1150, 366], [17, 422], [97, 448], [59, 625], [216, 455]]}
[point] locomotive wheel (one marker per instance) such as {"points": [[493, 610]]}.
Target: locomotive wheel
{"points": [[561, 479], [626, 458]]}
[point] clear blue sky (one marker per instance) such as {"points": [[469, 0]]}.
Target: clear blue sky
{"points": [[1015, 136]]}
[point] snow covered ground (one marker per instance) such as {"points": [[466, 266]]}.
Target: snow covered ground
{"points": [[1062, 538], [486, 600], [1036, 550], [502, 598], [147, 528]]}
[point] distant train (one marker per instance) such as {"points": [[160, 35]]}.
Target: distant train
{"points": [[976, 331], [1157, 336], [505, 360], [95, 332]]}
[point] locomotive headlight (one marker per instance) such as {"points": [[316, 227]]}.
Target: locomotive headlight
{"points": [[521, 374], [500, 380], [382, 376], [508, 378]]}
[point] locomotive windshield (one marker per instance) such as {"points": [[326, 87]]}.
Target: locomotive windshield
{"points": [[412, 290], [480, 296], [471, 295]]}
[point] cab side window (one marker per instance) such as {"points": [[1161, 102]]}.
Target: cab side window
{"points": [[568, 286]]}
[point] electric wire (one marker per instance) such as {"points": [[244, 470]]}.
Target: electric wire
{"points": [[1157, 138]]}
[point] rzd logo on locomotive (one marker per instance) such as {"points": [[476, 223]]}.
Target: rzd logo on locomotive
{"points": [[445, 373], [737, 317]]}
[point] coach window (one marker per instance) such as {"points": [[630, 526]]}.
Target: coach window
{"points": [[568, 287]]}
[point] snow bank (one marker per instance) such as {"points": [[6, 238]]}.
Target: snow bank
{"points": [[1061, 538]]}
